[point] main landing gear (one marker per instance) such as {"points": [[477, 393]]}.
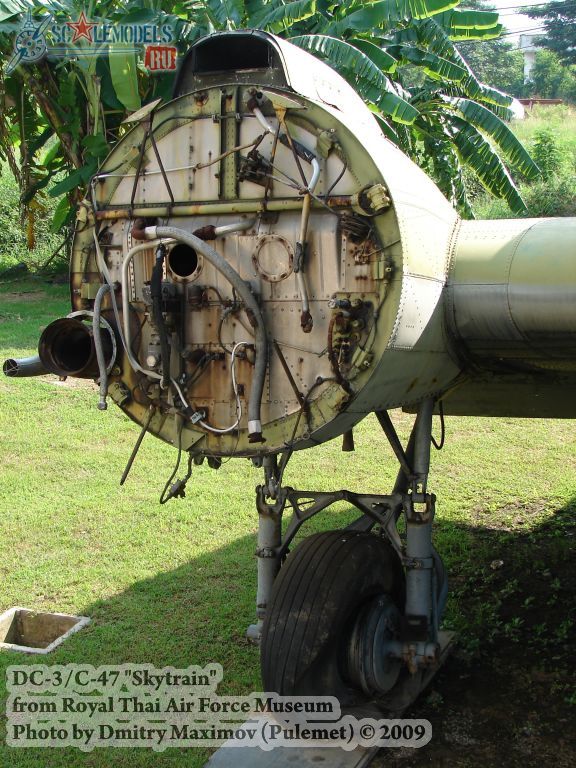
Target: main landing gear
{"points": [[353, 613]]}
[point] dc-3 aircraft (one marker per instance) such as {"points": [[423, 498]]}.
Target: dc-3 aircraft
{"points": [[255, 269]]}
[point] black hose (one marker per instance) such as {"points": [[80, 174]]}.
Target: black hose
{"points": [[156, 294]]}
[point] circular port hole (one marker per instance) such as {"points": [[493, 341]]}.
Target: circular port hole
{"points": [[183, 260]]}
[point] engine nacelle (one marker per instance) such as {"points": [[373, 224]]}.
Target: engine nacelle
{"points": [[277, 269]]}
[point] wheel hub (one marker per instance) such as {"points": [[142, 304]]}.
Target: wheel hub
{"points": [[369, 665]]}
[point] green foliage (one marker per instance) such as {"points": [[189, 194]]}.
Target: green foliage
{"points": [[547, 154], [496, 62], [560, 119], [485, 120], [376, 46], [14, 248], [551, 79], [560, 24], [554, 197], [550, 133], [124, 74]]}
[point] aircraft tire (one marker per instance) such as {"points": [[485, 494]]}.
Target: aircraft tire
{"points": [[316, 598]]}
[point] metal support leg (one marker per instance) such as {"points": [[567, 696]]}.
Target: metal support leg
{"points": [[269, 543], [420, 631], [422, 444]]}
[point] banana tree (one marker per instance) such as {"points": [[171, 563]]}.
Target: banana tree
{"points": [[400, 55]]}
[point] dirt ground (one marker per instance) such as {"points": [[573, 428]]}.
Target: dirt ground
{"points": [[506, 698]]}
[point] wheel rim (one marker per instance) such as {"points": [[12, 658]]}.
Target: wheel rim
{"points": [[368, 665]]}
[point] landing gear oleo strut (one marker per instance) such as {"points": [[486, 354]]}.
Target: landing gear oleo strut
{"points": [[353, 613]]}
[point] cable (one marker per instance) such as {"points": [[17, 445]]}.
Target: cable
{"points": [[523, 31], [227, 311], [440, 445], [216, 430], [102, 368], [126, 303], [342, 172], [518, 7], [177, 488], [156, 295]]}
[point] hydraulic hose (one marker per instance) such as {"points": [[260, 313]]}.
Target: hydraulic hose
{"points": [[100, 356], [156, 293], [253, 311]]}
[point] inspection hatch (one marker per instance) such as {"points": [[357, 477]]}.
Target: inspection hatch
{"points": [[22, 629]]}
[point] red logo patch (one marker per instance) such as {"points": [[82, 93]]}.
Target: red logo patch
{"points": [[160, 58]]}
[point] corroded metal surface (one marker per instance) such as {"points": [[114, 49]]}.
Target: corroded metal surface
{"points": [[373, 293]]}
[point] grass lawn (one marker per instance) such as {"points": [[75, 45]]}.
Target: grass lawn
{"points": [[559, 119], [175, 584]]}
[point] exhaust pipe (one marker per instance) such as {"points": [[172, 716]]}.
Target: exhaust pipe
{"points": [[24, 366], [67, 348]]}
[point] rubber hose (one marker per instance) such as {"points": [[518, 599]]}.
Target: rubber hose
{"points": [[97, 336], [156, 293]]}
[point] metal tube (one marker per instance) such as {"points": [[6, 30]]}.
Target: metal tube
{"points": [[269, 540], [419, 560], [237, 206], [306, 320], [262, 120], [67, 348], [126, 303], [269, 543], [236, 226], [23, 367], [511, 295], [392, 436]]}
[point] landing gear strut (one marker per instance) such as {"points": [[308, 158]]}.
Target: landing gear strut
{"points": [[353, 613]]}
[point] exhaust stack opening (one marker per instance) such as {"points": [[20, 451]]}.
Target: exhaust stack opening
{"points": [[67, 348], [23, 367]]}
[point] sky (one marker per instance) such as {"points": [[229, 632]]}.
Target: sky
{"points": [[512, 18]]}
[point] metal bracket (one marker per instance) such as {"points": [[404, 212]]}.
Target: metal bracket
{"points": [[382, 510]]}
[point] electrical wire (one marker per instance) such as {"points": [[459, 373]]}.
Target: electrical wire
{"points": [[204, 424], [523, 31], [171, 489], [253, 144], [342, 172], [440, 445], [529, 5], [225, 430]]}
